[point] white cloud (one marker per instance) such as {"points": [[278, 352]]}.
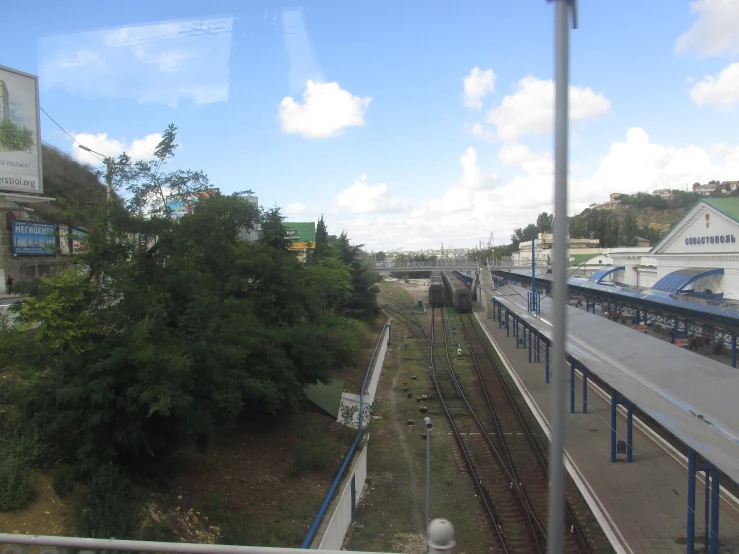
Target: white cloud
{"points": [[138, 149], [297, 208], [159, 63], [715, 31], [477, 85], [461, 216], [722, 92], [326, 111], [478, 131], [530, 110], [515, 154], [473, 177], [361, 198], [639, 165]]}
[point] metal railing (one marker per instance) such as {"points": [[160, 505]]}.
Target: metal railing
{"points": [[21, 544], [440, 264]]}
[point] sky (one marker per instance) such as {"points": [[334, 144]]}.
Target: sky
{"points": [[405, 124]]}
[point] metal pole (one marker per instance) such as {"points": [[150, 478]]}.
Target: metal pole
{"points": [[428, 480], [555, 527], [690, 535]]}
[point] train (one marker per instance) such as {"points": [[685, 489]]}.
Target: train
{"points": [[436, 290], [458, 291]]}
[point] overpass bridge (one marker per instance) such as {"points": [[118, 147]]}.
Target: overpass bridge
{"points": [[438, 265]]}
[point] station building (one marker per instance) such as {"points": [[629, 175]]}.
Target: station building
{"points": [[699, 254]]}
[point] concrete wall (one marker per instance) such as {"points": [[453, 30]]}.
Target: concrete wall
{"points": [[341, 518], [350, 400]]}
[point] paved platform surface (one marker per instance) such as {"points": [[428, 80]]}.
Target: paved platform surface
{"points": [[646, 500]]}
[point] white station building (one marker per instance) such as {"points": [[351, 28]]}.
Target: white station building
{"points": [[699, 254]]}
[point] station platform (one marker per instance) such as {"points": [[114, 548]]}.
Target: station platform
{"points": [[642, 506]]}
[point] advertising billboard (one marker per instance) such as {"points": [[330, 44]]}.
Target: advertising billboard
{"points": [[20, 148], [302, 234], [79, 241], [34, 238], [183, 205]]}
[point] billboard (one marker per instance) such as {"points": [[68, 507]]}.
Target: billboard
{"points": [[79, 241], [20, 149], [183, 205], [34, 238], [302, 234]]}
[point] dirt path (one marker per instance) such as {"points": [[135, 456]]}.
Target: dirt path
{"points": [[400, 432]]}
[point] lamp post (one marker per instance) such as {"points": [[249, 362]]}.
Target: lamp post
{"points": [[429, 427]]}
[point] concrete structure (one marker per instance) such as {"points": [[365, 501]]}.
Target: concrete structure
{"points": [[642, 506]]}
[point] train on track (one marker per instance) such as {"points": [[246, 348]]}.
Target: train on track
{"points": [[436, 290], [457, 291]]}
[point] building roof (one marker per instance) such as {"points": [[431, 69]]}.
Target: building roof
{"points": [[727, 206], [693, 397], [722, 313], [677, 281], [306, 230], [581, 258]]}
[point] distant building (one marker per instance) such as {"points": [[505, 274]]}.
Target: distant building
{"points": [[664, 193], [704, 190], [250, 235], [616, 197], [641, 241]]}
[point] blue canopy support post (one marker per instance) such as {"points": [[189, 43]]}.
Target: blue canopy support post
{"points": [[515, 328], [572, 385], [584, 390], [690, 536], [546, 359], [715, 474], [733, 350], [706, 509], [630, 432], [674, 330], [530, 329], [538, 347], [638, 317], [507, 325]]}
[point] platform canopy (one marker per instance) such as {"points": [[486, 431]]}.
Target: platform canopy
{"points": [[601, 274], [677, 281]]}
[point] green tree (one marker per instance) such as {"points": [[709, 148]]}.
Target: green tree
{"points": [[629, 230], [544, 222]]}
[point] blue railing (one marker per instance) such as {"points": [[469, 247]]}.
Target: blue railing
{"points": [[340, 474]]}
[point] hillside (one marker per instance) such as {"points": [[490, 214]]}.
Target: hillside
{"points": [[642, 215]]}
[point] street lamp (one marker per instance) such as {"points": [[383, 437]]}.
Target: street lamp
{"points": [[108, 172]]}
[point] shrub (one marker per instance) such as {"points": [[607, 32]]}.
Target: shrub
{"points": [[159, 532], [314, 450], [112, 508], [63, 480], [16, 482]]}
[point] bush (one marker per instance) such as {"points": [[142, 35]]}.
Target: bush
{"points": [[112, 508], [63, 480], [16, 481], [158, 532], [314, 450]]}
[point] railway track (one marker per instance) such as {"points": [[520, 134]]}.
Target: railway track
{"points": [[504, 458], [516, 520], [527, 460]]}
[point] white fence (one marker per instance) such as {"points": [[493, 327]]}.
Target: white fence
{"points": [[350, 402], [351, 493]]}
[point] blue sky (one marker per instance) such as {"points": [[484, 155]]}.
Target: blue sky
{"points": [[359, 110]]}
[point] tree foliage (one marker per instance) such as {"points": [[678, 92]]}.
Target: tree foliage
{"points": [[199, 332]]}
